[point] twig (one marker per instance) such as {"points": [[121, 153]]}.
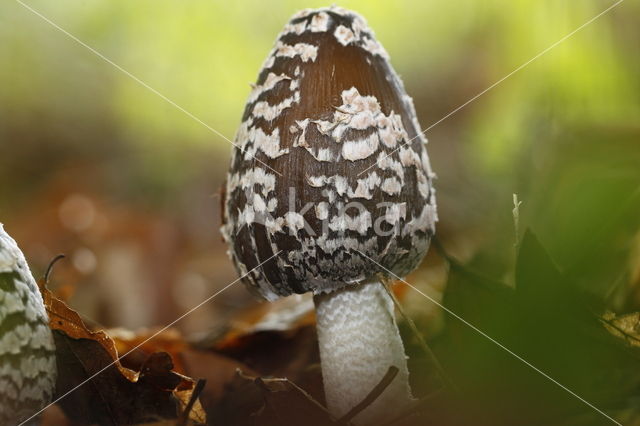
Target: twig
{"points": [[47, 274], [197, 389], [391, 373], [261, 383], [386, 380], [423, 344]]}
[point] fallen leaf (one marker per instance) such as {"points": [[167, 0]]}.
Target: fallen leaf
{"points": [[286, 314], [93, 385], [145, 341]]}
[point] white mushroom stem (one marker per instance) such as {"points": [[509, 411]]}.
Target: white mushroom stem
{"points": [[359, 341]]}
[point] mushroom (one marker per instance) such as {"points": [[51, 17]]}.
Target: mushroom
{"points": [[331, 172], [27, 352]]}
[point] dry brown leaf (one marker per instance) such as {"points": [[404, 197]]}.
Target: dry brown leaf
{"points": [[146, 341], [97, 388], [66, 320], [283, 315]]}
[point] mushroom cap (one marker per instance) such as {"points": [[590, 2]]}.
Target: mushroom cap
{"points": [[330, 166], [27, 351]]}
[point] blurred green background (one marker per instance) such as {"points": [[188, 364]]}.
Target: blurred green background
{"points": [[94, 165]]}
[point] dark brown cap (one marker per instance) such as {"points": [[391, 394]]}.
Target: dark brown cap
{"points": [[331, 164]]}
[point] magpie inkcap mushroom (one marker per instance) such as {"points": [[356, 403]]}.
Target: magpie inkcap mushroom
{"points": [[331, 171]]}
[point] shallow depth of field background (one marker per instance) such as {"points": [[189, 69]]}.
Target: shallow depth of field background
{"points": [[96, 166]]}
